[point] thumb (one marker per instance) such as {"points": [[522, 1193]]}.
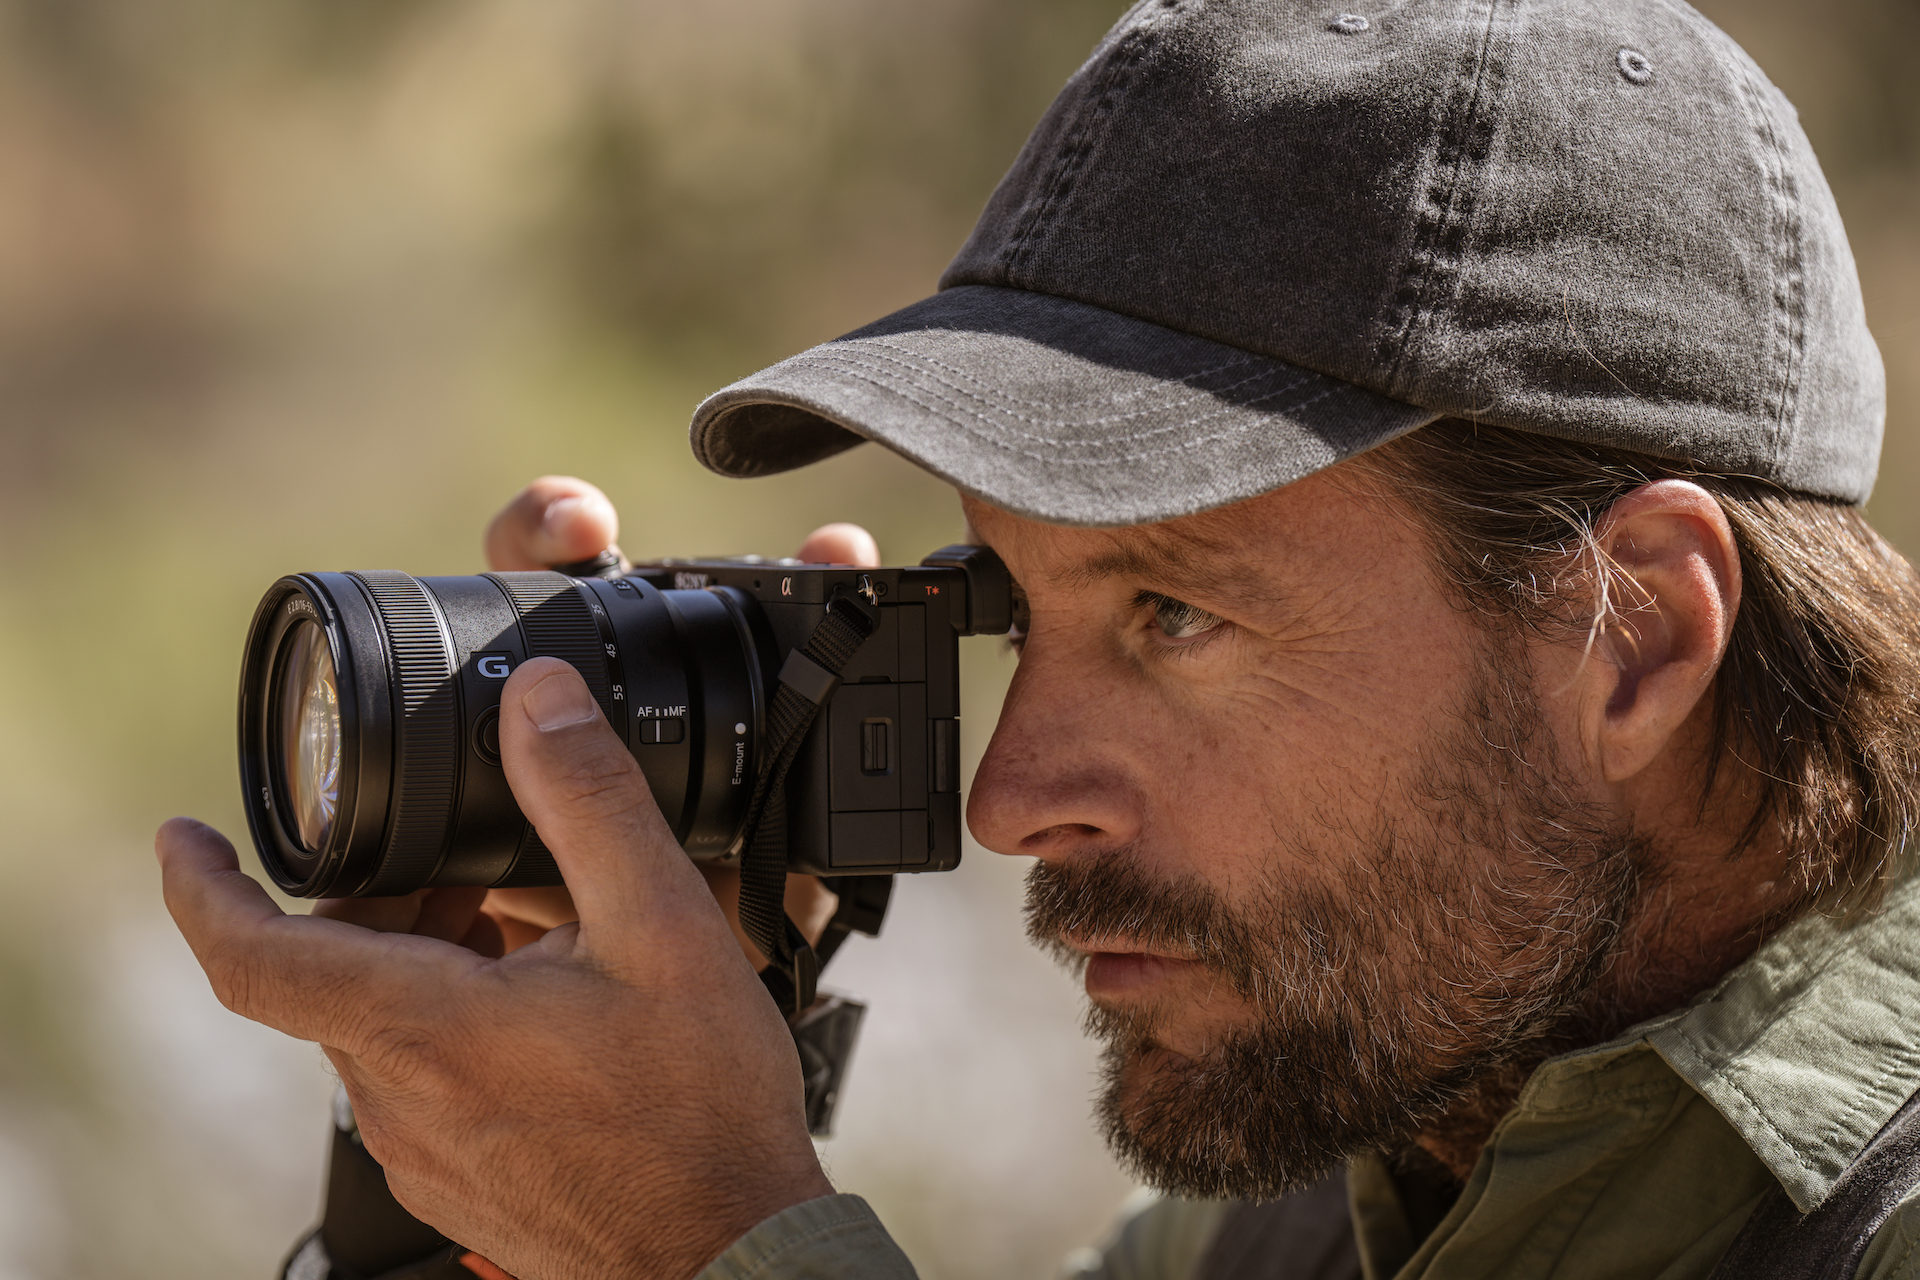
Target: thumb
{"points": [[586, 796]]}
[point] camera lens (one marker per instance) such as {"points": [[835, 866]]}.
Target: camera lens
{"points": [[308, 734], [371, 713], [367, 701]]}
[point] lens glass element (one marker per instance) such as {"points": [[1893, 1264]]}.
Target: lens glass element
{"points": [[307, 715]]}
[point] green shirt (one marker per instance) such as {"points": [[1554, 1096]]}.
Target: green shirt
{"points": [[1642, 1157]]}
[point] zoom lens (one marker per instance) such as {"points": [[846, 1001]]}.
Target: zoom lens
{"points": [[370, 704], [308, 733]]}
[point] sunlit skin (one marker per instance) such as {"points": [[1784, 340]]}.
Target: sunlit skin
{"points": [[1330, 658], [592, 1083]]}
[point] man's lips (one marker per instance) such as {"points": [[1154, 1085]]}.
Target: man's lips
{"points": [[1116, 974]]}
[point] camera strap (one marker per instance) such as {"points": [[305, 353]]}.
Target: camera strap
{"points": [[807, 680]]}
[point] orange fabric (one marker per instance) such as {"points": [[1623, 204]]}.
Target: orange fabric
{"points": [[482, 1268]]}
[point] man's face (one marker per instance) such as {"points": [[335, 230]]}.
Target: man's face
{"points": [[1327, 855]]}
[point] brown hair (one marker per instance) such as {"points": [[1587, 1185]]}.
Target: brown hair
{"points": [[1819, 693]]}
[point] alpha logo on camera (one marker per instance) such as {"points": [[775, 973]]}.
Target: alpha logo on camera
{"points": [[494, 666]]}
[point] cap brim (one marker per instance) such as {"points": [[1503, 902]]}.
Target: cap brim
{"points": [[1052, 409]]}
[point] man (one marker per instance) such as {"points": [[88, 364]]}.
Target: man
{"points": [[1464, 726]]}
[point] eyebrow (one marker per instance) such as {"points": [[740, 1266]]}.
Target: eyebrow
{"points": [[1182, 568]]}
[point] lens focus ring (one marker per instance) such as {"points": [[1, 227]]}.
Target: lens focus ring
{"points": [[427, 732], [558, 624]]}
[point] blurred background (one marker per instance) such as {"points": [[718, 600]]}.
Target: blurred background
{"points": [[292, 284]]}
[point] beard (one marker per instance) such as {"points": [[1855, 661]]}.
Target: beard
{"points": [[1428, 957]]}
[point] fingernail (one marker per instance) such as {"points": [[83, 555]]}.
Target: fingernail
{"points": [[559, 701], [559, 512]]}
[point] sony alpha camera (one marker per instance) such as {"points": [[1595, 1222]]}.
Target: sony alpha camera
{"points": [[788, 717], [370, 704]]}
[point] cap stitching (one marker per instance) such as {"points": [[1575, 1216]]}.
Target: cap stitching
{"points": [[1443, 203], [1104, 93], [849, 358], [1006, 444], [1186, 380], [958, 407], [1788, 288], [1003, 441], [1030, 217], [1788, 284]]}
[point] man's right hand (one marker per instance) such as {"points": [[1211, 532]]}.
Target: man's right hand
{"points": [[619, 1098], [559, 520]]}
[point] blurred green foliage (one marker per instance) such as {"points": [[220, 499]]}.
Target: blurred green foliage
{"points": [[298, 284]]}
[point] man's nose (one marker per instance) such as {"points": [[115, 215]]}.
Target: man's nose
{"points": [[1060, 775]]}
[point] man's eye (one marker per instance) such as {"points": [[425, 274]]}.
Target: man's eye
{"points": [[1022, 618], [1179, 620]]}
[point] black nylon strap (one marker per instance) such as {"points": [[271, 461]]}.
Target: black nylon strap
{"points": [[364, 1234], [808, 678], [794, 968], [1780, 1243]]}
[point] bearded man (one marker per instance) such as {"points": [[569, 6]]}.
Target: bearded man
{"points": [[1465, 728]]}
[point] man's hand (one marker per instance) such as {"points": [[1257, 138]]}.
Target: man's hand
{"points": [[558, 520], [582, 1080], [617, 1098]]}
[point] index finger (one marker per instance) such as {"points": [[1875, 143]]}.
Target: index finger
{"points": [[554, 520], [841, 544], [308, 976]]}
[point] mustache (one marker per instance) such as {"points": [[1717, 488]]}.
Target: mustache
{"points": [[1110, 897]]}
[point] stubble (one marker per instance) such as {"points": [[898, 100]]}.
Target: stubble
{"points": [[1429, 950]]}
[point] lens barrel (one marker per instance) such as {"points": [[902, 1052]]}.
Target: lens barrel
{"points": [[370, 712], [370, 705]]}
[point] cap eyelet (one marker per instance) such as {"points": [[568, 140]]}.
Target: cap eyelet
{"points": [[1635, 66], [1349, 24]]}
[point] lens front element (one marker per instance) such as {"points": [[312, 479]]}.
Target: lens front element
{"points": [[308, 735]]}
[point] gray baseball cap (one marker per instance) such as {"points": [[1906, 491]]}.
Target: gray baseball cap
{"points": [[1254, 237]]}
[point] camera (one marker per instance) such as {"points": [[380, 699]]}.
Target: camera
{"points": [[787, 716], [370, 704]]}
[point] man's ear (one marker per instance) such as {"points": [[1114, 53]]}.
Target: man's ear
{"points": [[1674, 591]]}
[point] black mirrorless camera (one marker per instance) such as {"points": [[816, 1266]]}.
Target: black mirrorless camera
{"points": [[788, 717], [370, 703]]}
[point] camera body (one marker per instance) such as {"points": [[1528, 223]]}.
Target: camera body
{"points": [[875, 788], [370, 704]]}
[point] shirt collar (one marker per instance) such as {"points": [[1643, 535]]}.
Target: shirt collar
{"points": [[1810, 1046]]}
